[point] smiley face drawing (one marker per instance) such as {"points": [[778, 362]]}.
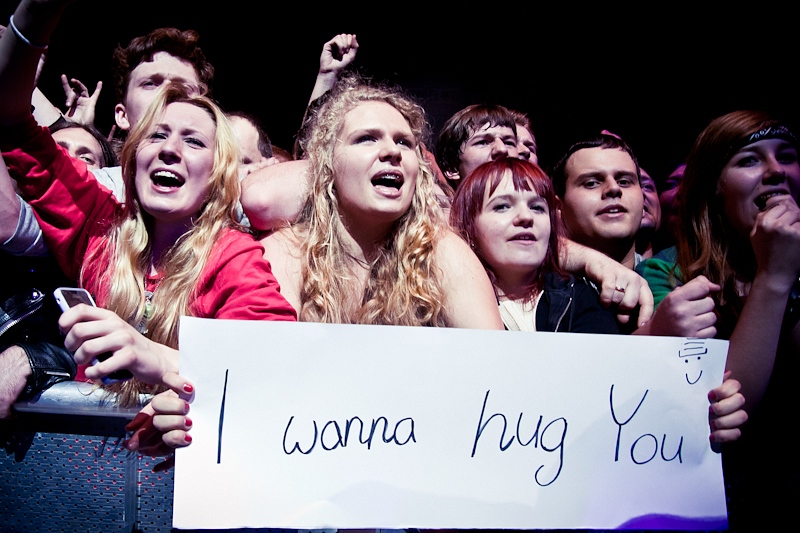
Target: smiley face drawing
{"points": [[692, 350]]}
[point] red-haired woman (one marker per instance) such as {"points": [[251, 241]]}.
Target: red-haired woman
{"points": [[504, 210]]}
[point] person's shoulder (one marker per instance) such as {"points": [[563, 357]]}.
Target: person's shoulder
{"points": [[450, 242], [664, 263], [454, 256], [111, 178], [286, 238], [667, 257], [232, 242]]}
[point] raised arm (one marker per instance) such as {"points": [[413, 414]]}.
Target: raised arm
{"points": [[21, 47], [754, 342], [274, 196], [337, 54], [9, 205]]}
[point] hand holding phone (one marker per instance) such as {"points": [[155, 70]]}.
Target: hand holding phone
{"points": [[68, 297]]}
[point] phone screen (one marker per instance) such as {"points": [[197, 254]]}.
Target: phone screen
{"points": [[74, 297]]}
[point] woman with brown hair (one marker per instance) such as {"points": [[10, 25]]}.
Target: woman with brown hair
{"points": [[739, 210]]}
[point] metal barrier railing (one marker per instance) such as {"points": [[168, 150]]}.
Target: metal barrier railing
{"points": [[64, 469]]}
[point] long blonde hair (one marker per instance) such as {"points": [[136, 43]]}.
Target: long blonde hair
{"points": [[404, 286], [127, 252]]}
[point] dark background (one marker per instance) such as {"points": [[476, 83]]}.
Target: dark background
{"points": [[656, 75]]}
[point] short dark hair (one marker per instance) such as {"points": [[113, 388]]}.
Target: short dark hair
{"points": [[264, 143], [462, 125], [177, 43], [604, 141], [109, 156]]}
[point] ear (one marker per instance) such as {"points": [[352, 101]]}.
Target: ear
{"points": [[558, 207], [121, 117]]}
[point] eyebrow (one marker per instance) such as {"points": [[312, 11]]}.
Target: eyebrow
{"points": [[510, 197], [84, 150], [491, 135], [378, 132]]}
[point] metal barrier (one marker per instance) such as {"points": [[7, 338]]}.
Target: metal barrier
{"points": [[64, 468]]}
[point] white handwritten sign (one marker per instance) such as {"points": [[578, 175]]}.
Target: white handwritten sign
{"points": [[345, 426]]}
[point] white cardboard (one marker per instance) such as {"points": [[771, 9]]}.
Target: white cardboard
{"points": [[581, 470]]}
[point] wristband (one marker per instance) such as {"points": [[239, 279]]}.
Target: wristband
{"points": [[24, 39]]}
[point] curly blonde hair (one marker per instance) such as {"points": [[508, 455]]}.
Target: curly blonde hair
{"points": [[128, 247], [404, 286]]}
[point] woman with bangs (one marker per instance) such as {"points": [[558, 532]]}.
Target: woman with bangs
{"points": [[173, 248], [505, 211], [371, 245], [739, 210]]}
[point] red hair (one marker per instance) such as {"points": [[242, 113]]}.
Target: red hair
{"points": [[481, 184]]}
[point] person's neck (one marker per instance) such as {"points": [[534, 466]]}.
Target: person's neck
{"points": [[363, 243], [163, 237], [623, 251], [514, 286]]}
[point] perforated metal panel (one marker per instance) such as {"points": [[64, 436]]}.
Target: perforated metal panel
{"points": [[154, 496], [69, 473], [67, 482]]}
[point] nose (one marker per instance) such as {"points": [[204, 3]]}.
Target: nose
{"points": [[499, 149], [611, 189], [523, 217], [390, 151], [170, 150], [775, 171], [524, 152]]}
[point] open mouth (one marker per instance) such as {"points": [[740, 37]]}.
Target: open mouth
{"points": [[388, 182], [761, 200], [523, 237], [164, 178], [612, 210]]}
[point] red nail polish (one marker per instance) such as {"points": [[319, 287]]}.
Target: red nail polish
{"points": [[188, 422], [187, 387], [187, 438], [712, 396], [185, 407]]}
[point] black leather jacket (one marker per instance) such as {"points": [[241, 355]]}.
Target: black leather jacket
{"points": [[572, 306]]}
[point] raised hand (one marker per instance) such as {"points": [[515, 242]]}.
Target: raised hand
{"points": [[336, 55], [80, 104]]}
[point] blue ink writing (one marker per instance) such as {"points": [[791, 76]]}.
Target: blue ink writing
{"points": [[538, 437], [222, 417], [645, 447], [331, 436]]}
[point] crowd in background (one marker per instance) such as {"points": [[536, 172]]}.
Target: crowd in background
{"points": [[188, 209]]}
